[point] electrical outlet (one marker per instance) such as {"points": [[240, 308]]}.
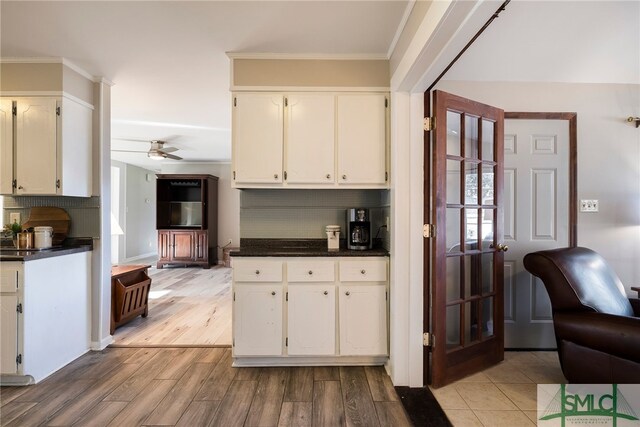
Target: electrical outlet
{"points": [[14, 217], [388, 224], [589, 205]]}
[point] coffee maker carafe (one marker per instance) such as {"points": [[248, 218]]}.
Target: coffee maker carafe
{"points": [[359, 229]]}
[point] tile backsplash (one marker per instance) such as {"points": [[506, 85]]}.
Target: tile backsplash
{"points": [[303, 214], [84, 211]]}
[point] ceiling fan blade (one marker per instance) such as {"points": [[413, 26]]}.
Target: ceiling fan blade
{"points": [[131, 139], [171, 156], [168, 149]]}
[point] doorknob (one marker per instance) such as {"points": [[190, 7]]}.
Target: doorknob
{"points": [[502, 248]]}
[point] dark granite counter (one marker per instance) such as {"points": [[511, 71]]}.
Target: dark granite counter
{"points": [[300, 248], [70, 246]]}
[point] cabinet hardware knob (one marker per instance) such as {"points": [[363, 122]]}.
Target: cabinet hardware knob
{"points": [[328, 176], [273, 293], [326, 292], [275, 175], [257, 271], [21, 188], [344, 176], [363, 271], [347, 293], [310, 272]]}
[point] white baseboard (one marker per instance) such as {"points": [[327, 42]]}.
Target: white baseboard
{"points": [[147, 255], [102, 344]]}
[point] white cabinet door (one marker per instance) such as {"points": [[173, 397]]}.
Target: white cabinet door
{"points": [[257, 138], [257, 326], [6, 146], [363, 320], [36, 151], [361, 134], [310, 140], [8, 334], [312, 319]]}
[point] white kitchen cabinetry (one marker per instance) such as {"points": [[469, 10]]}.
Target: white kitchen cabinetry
{"points": [[6, 146], [257, 137], [46, 307], [309, 139], [322, 131], [52, 145], [334, 313], [257, 308], [362, 134]]}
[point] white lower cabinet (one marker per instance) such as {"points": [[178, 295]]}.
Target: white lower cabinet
{"points": [[363, 320], [312, 319], [9, 334], [301, 311], [257, 324]]}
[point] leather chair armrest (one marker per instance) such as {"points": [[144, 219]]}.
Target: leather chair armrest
{"points": [[615, 335], [635, 304]]}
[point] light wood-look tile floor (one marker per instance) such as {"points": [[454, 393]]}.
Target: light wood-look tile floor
{"points": [[503, 395], [187, 306], [199, 387]]}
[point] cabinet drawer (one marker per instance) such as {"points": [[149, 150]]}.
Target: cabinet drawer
{"points": [[245, 270], [311, 271], [374, 270], [9, 280]]}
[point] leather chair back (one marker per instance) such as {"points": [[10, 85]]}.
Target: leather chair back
{"points": [[579, 279]]}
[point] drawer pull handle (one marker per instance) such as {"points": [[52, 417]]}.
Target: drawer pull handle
{"points": [[273, 293], [326, 292], [347, 293], [257, 271], [363, 272], [310, 272]]}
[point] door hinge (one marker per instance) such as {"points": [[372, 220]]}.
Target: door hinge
{"points": [[57, 111], [427, 339], [286, 342], [285, 175], [233, 342], [19, 308], [286, 298], [14, 110], [286, 102], [386, 176], [386, 103], [234, 296], [234, 175], [429, 123], [428, 231], [235, 101], [386, 295], [15, 183], [19, 359], [57, 183]]}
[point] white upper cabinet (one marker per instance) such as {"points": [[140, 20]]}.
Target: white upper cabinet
{"points": [[314, 133], [361, 134], [36, 146], [310, 139], [52, 147], [257, 138], [6, 146]]}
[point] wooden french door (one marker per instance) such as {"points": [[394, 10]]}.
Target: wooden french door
{"points": [[466, 283]]}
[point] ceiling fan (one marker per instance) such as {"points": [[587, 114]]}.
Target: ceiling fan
{"points": [[157, 151]]}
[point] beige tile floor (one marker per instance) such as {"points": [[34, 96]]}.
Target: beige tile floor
{"points": [[503, 395]]}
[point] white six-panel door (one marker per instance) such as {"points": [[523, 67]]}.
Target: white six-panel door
{"points": [[536, 217]]}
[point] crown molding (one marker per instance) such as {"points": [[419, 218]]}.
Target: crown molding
{"points": [[309, 56], [56, 60]]}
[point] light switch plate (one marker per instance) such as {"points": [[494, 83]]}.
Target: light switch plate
{"points": [[589, 205], [14, 217]]}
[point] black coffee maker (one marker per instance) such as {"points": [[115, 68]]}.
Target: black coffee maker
{"points": [[359, 229]]}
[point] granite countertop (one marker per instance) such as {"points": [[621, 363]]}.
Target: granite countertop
{"points": [[69, 246], [300, 248]]}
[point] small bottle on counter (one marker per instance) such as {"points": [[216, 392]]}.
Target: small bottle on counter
{"points": [[333, 237]]}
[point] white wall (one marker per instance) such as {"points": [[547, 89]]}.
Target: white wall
{"points": [[608, 156], [228, 198]]}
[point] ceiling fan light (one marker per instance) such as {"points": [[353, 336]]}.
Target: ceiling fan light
{"points": [[154, 155]]}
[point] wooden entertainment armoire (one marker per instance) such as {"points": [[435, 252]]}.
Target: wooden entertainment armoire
{"points": [[187, 219]]}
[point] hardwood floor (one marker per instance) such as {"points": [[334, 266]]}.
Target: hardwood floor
{"points": [[199, 387], [187, 306]]}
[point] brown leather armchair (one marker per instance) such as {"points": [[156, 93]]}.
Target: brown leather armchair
{"points": [[597, 327]]}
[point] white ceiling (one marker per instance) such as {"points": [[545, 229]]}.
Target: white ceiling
{"points": [[168, 61]]}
